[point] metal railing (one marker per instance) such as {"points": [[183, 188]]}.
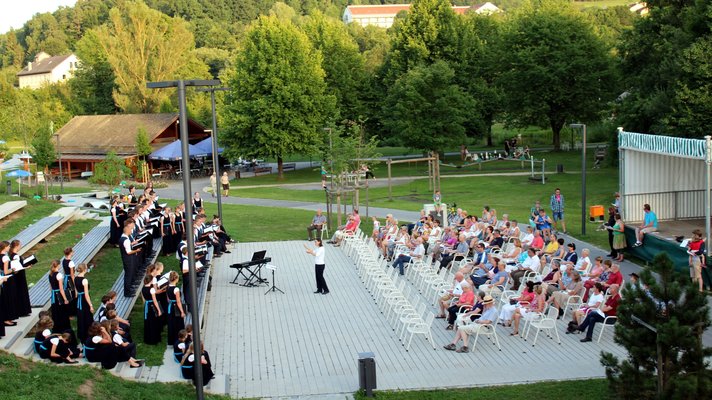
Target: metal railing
{"points": [[672, 205]]}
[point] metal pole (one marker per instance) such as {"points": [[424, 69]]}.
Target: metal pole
{"points": [[708, 212], [390, 197], [583, 184], [621, 175], [59, 154], [543, 169], [216, 163], [185, 162]]}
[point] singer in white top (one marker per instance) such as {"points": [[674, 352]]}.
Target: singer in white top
{"points": [[319, 265]]}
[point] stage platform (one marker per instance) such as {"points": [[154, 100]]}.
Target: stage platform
{"points": [[305, 344]]}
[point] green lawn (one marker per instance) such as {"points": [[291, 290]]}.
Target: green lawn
{"points": [[593, 389], [25, 380], [602, 3], [31, 213]]}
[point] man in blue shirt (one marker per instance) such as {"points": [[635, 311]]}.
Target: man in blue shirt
{"points": [[650, 224]]}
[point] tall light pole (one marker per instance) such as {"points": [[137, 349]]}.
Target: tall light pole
{"points": [[190, 239], [331, 167], [214, 136], [583, 177], [59, 156]]}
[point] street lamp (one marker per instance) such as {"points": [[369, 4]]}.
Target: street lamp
{"points": [[214, 136], [331, 168], [583, 177], [59, 156], [190, 239]]}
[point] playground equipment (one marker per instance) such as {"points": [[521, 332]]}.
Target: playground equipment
{"points": [[433, 171]]}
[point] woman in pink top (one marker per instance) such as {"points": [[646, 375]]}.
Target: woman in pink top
{"points": [[531, 310]]}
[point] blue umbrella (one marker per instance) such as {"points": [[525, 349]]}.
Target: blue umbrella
{"points": [[172, 152], [18, 173], [206, 145]]}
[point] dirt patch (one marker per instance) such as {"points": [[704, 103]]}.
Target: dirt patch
{"points": [[86, 389], [7, 220]]}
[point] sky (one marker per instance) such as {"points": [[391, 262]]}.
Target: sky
{"points": [[15, 13]]}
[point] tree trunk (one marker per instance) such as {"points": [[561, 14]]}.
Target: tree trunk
{"points": [[46, 169], [280, 170], [556, 133], [489, 134]]}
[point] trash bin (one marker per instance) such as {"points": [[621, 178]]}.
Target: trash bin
{"points": [[237, 174], [9, 187], [596, 211], [559, 168], [367, 372]]}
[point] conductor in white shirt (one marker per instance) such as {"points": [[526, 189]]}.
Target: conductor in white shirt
{"points": [[319, 264]]}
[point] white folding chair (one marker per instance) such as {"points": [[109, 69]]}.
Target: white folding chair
{"points": [[547, 323]]}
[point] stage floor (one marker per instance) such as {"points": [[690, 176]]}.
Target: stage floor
{"points": [[668, 230], [304, 344]]}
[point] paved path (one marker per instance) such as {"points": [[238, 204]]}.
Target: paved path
{"points": [[304, 344]]}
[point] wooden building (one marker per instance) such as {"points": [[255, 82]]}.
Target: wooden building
{"points": [[86, 139]]}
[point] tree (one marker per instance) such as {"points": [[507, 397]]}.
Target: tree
{"points": [[427, 108], [341, 61], [144, 45], [43, 152], [664, 60], [672, 305], [110, 171], [143, 149], [426, 34], [555, 69], [278, 104], [93, 83]]}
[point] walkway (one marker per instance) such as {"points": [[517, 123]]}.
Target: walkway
{"points": [[304, 344]]}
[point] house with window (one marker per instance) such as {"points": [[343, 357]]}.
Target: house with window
{"points": [[384, 15], [46, 69]]}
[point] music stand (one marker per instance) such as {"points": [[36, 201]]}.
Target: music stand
{"points": [[274, 287]]}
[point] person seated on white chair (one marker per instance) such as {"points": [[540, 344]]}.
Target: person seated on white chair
{"points": [[348, 230], [530, 310], [416, 254], [489, 315], [495, 285], [450, 294]]}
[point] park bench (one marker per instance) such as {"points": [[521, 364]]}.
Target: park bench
{"points": [[36, 232], [84, 251], [288, 166], [125, 304], [202, 291], [10, 207], [259, 170]]}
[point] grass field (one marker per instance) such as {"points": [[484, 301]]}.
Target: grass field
{"points": [[25, 380], [594, 389], [602, 3]]}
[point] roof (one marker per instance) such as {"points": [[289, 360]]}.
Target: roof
{"points": [[98, 134], [45, 66], [665, 145], [385, 9]]}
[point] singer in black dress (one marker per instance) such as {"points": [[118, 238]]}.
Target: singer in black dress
{"points": [[8, 288], [22, 293], [70, 289], [175, 312], [59, 300], [85, 309], [151, 313]]}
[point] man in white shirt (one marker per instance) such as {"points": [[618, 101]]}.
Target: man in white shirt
{"points": [[417, 253], [530, 264], [451, 293]]}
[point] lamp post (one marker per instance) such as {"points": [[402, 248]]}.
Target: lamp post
{"points": [[190, 239], [59, 156], [214, 136], [331, 168], [658, 350], [583, 177]]}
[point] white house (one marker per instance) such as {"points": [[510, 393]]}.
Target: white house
{"points": [[46, 69], [384, 15]]}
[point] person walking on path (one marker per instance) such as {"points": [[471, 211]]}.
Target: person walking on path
{"points": [[225, 182], [214, 184], [319, 265], [557, 209]]}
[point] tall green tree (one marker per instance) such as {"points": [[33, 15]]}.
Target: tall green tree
{"points": [[341, 61], [427, 33], [670, 304], [665, 61], [93, 83], [556, 70], [110, 171], [279, 102], [144, 45], [428, 108]]}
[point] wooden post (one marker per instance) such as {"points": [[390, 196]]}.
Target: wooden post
{"points": [[390, 194], [430, 175], [69, 171]]}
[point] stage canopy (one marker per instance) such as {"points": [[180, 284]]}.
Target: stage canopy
{"points": [[172, 152], [671, 174], [206, 145]]}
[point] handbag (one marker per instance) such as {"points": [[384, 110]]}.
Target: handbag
{"points": [[70, 291]]}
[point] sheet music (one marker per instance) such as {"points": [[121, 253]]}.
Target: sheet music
{"points": [[16, 265], [163, 281], [684, 243], [31, 260]]}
